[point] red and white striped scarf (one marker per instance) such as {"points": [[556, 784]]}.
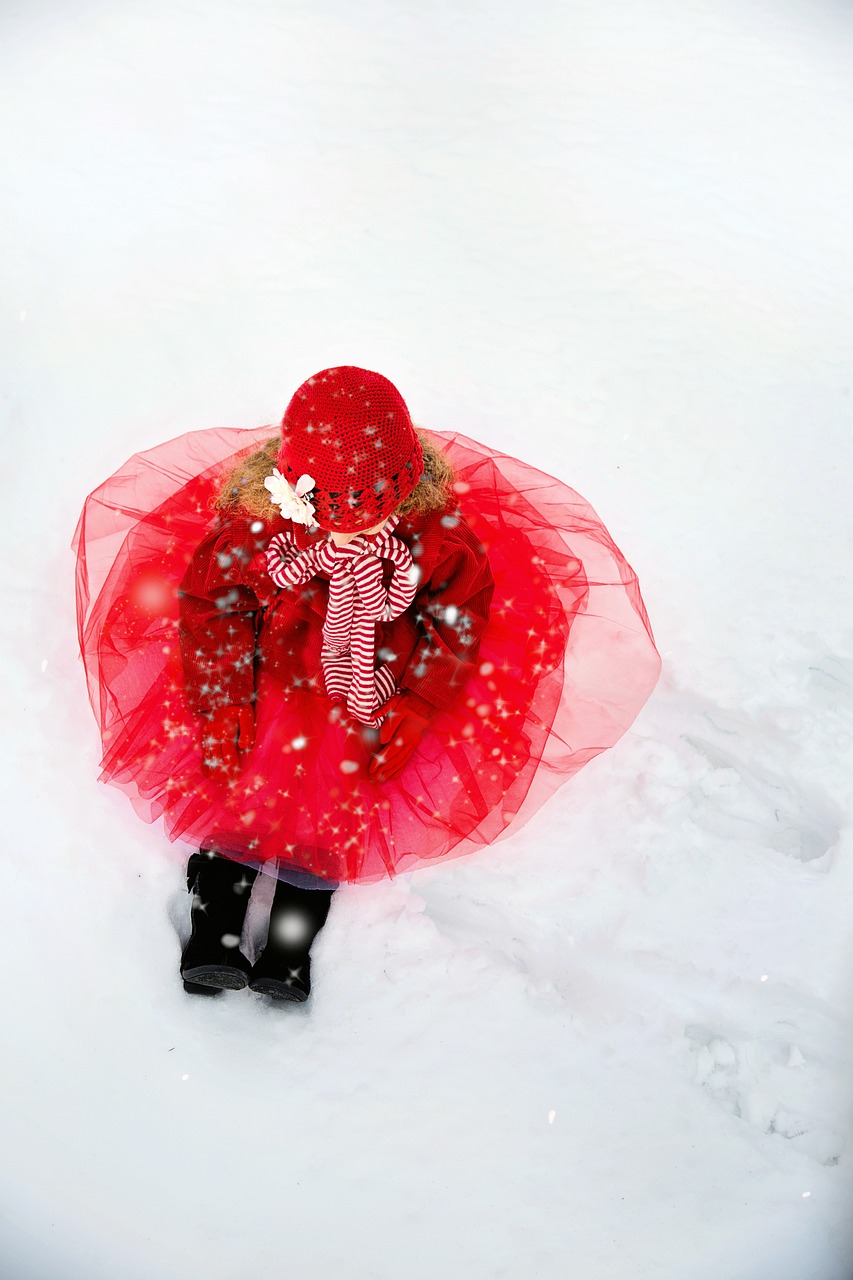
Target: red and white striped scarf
{"points": [[357, 601]]}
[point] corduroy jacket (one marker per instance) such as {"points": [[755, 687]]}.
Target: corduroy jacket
{"points": [[234, 620]]}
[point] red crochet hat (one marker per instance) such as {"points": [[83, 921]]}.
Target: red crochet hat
{"points": [[350, 430]]}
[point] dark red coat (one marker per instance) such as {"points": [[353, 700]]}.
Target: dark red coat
{"points": [[234, 620]]}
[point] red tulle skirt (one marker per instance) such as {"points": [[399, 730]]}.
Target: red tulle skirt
{"points": [[565, 664]]}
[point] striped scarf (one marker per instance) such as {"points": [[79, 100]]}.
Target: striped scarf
{"points": [[357, 601]]}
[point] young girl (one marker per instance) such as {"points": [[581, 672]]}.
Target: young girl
{"points": [[344, 651]]}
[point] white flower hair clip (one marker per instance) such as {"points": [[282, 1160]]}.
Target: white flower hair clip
{"points": [[293, 503]]}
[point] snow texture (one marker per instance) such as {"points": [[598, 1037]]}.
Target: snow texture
{"points": [[615, 241]]}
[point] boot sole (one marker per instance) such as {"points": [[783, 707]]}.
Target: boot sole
{"points": [[199, 989], [279, 990], [215, 975]]}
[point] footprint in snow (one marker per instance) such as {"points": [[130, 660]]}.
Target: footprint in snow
{"points": [[747, 800], [786, 1081]]}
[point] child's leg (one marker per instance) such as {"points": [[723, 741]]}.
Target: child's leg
{"points": [[212, 959], [283, 968]]}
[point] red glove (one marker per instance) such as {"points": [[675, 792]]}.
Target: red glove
{"points": [[405, 724], [220, 733]]}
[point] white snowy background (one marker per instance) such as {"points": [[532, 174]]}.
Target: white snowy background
{"points": [[612, 239]]}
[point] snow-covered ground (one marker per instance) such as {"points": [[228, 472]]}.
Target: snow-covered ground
{"points": [[613, 239]]}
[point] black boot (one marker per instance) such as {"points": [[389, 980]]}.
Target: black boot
{"points": [[283, 969], [212, 959]]}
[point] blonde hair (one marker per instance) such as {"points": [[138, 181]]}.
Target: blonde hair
{"points": [[243, 489]]}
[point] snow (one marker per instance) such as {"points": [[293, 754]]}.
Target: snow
{"points": [[614, 241]]}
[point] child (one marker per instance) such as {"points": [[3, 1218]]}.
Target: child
{"points": [[370, 648]]}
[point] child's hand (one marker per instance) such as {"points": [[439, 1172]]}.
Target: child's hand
{"points": [[401, 731], [221, 732]]}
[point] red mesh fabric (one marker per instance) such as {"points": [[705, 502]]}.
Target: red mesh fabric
{"points": [[342, 427], [564, 663]]}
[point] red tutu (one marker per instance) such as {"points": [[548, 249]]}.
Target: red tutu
{"points": [[565, 663]]}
